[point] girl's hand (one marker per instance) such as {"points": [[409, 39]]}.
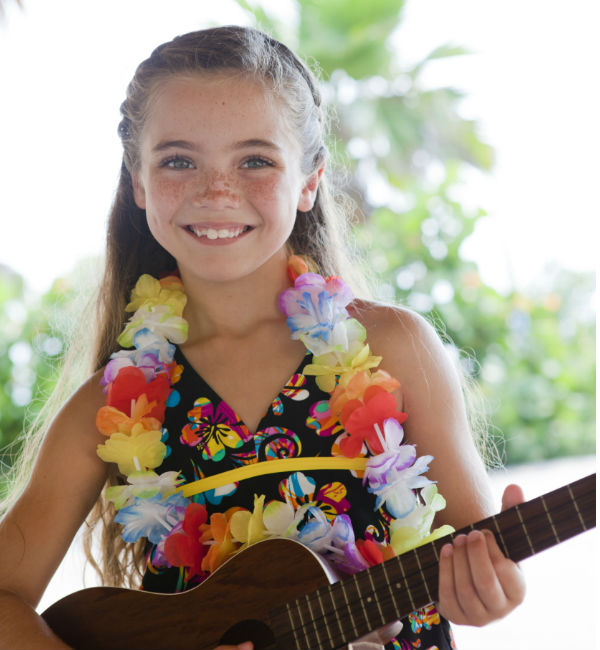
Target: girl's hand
{"points": [[247, 645], [477, 583], [378, 638]]}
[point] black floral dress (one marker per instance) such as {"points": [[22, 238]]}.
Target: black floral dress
{"points": [[205, 437]]}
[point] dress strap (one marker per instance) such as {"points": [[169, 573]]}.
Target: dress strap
{"points": [[272, 467]]}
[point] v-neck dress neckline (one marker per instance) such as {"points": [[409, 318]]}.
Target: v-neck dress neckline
{"points": [[181, 359]]}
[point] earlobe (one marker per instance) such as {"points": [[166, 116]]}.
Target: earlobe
{"points": [[139, 194], [309, 190]]}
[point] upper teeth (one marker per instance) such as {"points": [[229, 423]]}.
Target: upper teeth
{"points": [[213, 233]]}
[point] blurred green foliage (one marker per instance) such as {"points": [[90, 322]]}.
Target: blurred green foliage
{"points": [[33, 336], [405, 148]]}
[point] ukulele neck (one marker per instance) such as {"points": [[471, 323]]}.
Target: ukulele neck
{"points": [[335, 615]]}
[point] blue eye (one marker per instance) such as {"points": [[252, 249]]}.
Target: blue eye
{"points": [[256, 162], [177, 162]]}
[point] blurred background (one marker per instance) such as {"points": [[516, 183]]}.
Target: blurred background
{"points": [[469, 133]]}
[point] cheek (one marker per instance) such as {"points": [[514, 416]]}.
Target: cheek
{"points": [[272, 192], [162, 202], [164, 194]]}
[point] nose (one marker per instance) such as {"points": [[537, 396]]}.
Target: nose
{"points": [[216, 190]]}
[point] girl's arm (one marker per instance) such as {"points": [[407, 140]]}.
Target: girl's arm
{"points": [[477, 583], [37, 531]]}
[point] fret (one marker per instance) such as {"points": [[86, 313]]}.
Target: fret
{"points": [[369, 599], [556, 537], [312, 620], [354, 630], [429, 556], [334, 608], [360, 599], [512, 534], [422, 575], [389, 586], [410, 596], [500, 537], [518, 511], [583, 526]]}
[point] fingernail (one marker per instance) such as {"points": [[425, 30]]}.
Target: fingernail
{"points": [[446, 550], [460, 540], [474, 536]]}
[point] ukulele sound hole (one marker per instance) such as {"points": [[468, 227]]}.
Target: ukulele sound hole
{"points": [[250, 630]]}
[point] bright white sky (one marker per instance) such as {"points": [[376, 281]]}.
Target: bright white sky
{"points": [[64, 65]]}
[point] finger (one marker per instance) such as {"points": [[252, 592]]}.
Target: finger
{"points": [[246, 645], [365, 645], [508, 573], [466, 593], [483, 564], [513, 495], [447, 604], [379, 637]]}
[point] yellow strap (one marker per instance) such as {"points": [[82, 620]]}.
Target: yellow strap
{"points": [[272, 467]]}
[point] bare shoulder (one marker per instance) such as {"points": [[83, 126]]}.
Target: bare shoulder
{"points": [[70, 442], [431, 393], [407, 342], [75, 423]]}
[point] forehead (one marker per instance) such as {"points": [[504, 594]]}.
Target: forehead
{"points": [[227, 106]]}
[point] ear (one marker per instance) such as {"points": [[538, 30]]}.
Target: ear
{"points": [[309, 190], [139, 193]]}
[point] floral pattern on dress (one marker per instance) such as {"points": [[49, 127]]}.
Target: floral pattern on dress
{"points": [[294, 389], [300, 490], [215, 430]]}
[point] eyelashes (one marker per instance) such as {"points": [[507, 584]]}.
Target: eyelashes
{"points": [[176, 162], [179, 162], [257, 162]]}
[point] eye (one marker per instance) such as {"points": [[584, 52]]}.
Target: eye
{"points": [[257, 162], [177, 162]]}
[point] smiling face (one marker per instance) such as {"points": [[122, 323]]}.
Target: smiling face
{"points": [[220, 175]]}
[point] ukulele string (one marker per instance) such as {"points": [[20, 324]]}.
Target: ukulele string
{"points": [[342, 616], [428, 573]]}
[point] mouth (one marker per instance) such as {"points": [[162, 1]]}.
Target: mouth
{"points": [[214, 233]]}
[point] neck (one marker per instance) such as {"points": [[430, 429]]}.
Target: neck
{"points": [[233, 307]]}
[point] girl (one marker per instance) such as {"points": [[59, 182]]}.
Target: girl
{"points": [[223, 237]]}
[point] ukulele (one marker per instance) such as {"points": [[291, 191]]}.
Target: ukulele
{"points": [[279, 594]]}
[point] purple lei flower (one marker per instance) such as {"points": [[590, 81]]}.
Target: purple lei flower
{"points": [[344, 552], [314, 306], [394, 474]]}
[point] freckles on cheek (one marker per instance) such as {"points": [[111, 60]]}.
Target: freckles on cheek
{"points": [[266, 189], [166, 192]]}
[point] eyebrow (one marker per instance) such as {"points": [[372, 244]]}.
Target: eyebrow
{"points": [[256, 142], [178, 144], [242, 144]]}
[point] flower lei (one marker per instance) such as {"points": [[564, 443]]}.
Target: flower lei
{"points": [[139, 386]]}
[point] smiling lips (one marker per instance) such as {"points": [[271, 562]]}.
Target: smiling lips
{"points": [[214, 233]]}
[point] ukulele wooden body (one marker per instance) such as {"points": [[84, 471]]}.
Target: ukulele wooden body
{"points": [[231, 606]]}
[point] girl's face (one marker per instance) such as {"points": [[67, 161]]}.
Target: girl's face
{"points": [[220, 176]]}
